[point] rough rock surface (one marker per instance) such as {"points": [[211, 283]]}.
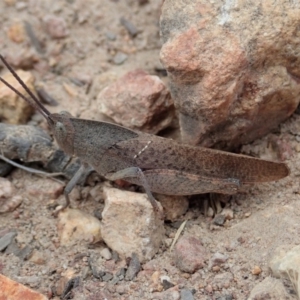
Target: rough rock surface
{"points": [[139, 101], [130, 225], [75, 225], [269, 288], [234, 67], [285, 264], [14, 110], [13, 290]]}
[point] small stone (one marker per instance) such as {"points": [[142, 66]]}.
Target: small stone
{"points": [[10, 204], [170, 294], [6, 188], [226, 297], [130, 225], [155, 277], [121, 273], [107, 276], [13, 248], [189, 254], [25, 252], [223, 280], [186, 275], [96, 265], [97, 193], [115, 256], [13, 109], [247, 214], [16, 33], [20, 5], [32, 281], [72, 92], [167, 284], [119, 58], [219, 220], [120, 289], [115, 280], [156, 285], [60, 285], [98, 214], [209, 289], [105, 253], [132, 30], [149, 106], [241, 240], [217, 259], [75, 226], [110, 35], [10, 2], [168, 242], [38, 257], [6, 239], [216, 268], [256, 270], [133, 268], [228, 213], [56, 26], [186, 294], [44, 188], [13, 290], [174, 206], [24, 59]]}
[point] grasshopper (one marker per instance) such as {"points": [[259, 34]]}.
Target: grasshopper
{"points": [[158, 164]]}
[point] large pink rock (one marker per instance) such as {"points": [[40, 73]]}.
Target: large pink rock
{"points": [[234, 67], [13, 290]]}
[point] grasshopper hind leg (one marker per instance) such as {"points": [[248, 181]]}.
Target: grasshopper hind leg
{"points": [[174, 182]]}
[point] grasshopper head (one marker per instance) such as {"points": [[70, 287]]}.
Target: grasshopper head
{"points": [[63, 131]]}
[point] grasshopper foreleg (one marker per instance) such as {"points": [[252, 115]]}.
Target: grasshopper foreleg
{"points": [[83, 171]]}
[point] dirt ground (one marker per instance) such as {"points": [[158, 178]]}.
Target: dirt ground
{"points": [[265, 216]]}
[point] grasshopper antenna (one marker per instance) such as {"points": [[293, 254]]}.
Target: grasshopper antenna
{"points": [[35, 103]]}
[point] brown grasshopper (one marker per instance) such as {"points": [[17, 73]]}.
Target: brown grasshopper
{"points": [[158, 164]]}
